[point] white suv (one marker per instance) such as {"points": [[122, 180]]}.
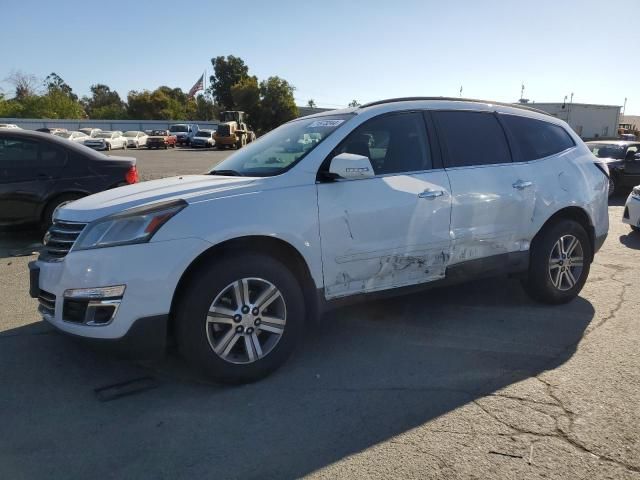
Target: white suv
{"points": [[397, 193]]}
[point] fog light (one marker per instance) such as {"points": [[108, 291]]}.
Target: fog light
{"points": [[114, 291]]}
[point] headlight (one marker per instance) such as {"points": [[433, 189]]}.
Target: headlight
{"points": [[136, 225], [635, 193]]}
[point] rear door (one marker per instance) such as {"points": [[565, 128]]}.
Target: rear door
{"points": [[493, 199], [393, 229], [29, 171]]}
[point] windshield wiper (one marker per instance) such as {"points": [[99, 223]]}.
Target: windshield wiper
{"points": [[226, 173]]}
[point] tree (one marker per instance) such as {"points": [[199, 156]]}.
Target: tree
{"points": [[277, 103], [25, 84], [227, 71], [204, 109], [104, 103], [311, 103], [246, 97], [54, 83], [164, 103], [354, 103]]}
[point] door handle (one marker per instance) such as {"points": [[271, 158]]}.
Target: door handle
{"points": [[521, 184], [431, 194]]}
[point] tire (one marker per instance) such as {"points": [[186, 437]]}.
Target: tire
{"points": [[47, 213], [108, 147], [635, 229], [124, 146], [197, 337], [546, 281], [166, 146]]}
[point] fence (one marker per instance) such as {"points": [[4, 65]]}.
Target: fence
{"points": [[122, 125]]}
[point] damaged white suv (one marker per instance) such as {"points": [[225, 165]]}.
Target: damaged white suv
{"points": [[336, 206]]}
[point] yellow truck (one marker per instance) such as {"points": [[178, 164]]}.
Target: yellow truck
{"points": [[232, 131]]}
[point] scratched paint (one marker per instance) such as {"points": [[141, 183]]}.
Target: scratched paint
{"points": [[390, 271]]}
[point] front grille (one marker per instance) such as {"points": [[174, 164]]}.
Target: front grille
{"points": [[47, 303], [59, 239]]}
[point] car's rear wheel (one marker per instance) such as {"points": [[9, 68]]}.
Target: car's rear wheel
{"points": [[240, 318], [55, 204], [559, 263]]}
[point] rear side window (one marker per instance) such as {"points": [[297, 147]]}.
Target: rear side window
{"points": [[471, 138], [536, 139]]}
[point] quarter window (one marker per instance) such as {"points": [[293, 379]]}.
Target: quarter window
{"points": [[535, 138], [471, 138], [395, 143]]}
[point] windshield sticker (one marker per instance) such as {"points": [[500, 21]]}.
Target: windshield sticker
{"points": [[325, 123]]}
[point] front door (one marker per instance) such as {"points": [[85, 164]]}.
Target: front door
{"points": [[391, 230]]}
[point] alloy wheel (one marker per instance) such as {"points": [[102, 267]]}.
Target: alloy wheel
{"points": [[566, 262], [246, 320]]}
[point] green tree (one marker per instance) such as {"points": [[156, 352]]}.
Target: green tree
{"points": [[311, 103], [104, 103], [277, 103], [55, 83], [164, 103], [227, 71], [204, 109], [354, 103], [246, 97]]}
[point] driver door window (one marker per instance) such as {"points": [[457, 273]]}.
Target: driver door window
{"points": [[395, 143]]}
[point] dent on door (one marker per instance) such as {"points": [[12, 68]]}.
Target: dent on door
{"points": [[379, 234]]}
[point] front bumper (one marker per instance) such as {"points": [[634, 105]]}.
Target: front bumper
{"points": [[96, 146], [631, 215], [150, 272]]}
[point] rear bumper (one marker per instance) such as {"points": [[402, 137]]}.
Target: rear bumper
{"points": [[598, 242], [631, 214]]}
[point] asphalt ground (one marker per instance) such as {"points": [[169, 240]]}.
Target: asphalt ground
{"points": [[471, 381]]}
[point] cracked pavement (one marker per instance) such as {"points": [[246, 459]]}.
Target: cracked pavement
{"points": [[472, 381]]}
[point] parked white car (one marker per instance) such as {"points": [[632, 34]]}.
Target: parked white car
{"points": [[135, 139], [73, 136], [203, 138], [106, 140], [399, 193], [631, 215], [92, 132], [9, 125]]}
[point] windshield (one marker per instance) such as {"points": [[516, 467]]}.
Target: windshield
{"points": [[103, 135], [178, 128], [158, 133], [280, 149], [62, 134], [607, 150], [203, 133], [131, 134]]}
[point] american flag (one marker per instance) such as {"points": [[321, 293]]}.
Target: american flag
{"points": [[197, 87]]}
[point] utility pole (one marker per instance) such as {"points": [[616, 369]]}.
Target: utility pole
{"points": [[569, 111], [460, 91], [522, 92]]}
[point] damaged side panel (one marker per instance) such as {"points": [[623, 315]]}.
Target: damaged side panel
{"points": [[378, 233]]}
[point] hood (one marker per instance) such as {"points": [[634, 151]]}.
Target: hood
{"points": [[190, 188]]}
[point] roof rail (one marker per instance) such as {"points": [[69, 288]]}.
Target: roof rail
{"points": [[454, 99]]}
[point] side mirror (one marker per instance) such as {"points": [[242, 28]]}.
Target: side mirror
{"points": [[351, 166], [636, 156]]}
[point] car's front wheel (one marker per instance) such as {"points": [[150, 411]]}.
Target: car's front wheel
{"points": [[240, 318], [612, 185], [559, 263]]}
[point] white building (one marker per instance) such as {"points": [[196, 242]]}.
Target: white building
{"points": [[587, 120]]}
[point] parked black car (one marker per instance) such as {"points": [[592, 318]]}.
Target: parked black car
{"points": [[622, 158], [39, 172]]}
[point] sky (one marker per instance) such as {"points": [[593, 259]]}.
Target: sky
{"points": [[337, 51]]}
